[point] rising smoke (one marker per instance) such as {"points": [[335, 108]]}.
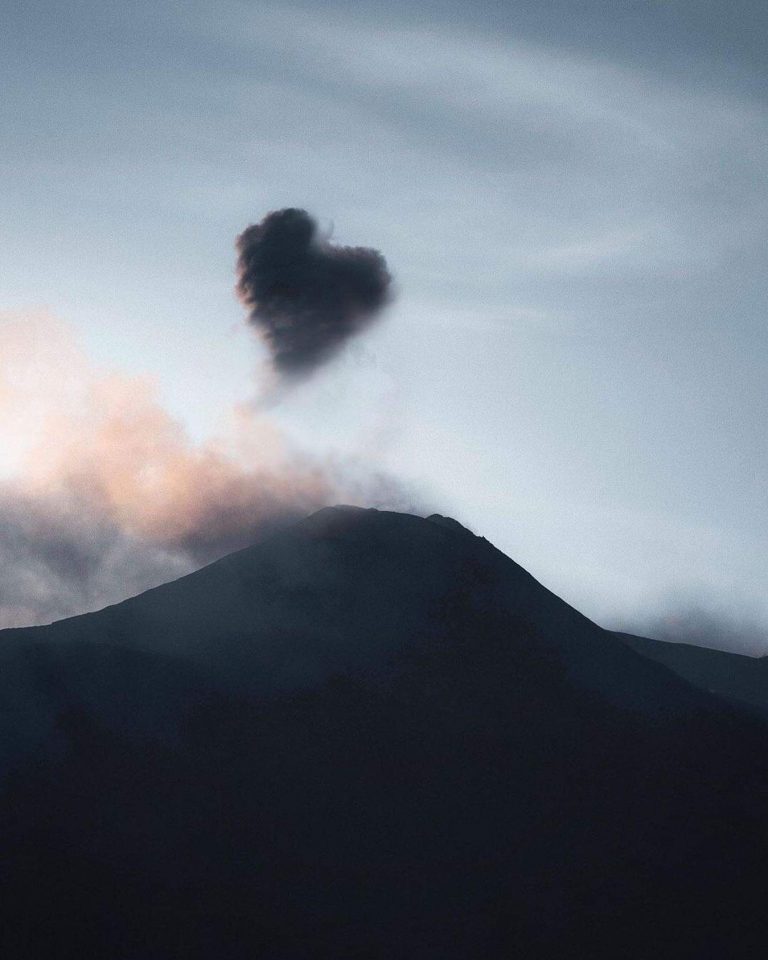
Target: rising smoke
{"points": [[107, 495], [306, 296]]}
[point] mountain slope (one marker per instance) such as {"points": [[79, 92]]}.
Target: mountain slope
{"points": [[371, 736], [734, 676], [343, 591]]}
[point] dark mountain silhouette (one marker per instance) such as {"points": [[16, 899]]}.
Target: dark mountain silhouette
{"points": [[371, 735], [734, 676]]}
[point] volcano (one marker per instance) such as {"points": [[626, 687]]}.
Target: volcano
{"points": [[370, 735]]}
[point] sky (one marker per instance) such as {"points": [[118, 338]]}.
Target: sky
{"points": [[571, 199]]}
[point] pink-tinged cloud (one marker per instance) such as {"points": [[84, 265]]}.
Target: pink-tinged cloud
{"points": [[106, 494]]}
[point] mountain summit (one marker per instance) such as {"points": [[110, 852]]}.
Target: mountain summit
{"points": [[369, 735], [342, 592]]}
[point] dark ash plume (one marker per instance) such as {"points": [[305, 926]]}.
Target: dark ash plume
{"points": [[306, 296]]}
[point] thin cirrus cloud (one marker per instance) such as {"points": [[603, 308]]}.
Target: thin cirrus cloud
{"points": [[546, 173]]}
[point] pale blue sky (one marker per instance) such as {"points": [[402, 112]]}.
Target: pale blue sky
{"points": [[572, 198]]}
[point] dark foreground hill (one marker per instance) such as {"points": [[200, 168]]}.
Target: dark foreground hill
{"points": [[371, 736], [734, 676]]}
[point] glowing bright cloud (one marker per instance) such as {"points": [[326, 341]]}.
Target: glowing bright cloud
{"points": [[99, 470]]}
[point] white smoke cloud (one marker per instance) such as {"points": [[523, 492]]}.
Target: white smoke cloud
{"points": [[105, 494]]}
